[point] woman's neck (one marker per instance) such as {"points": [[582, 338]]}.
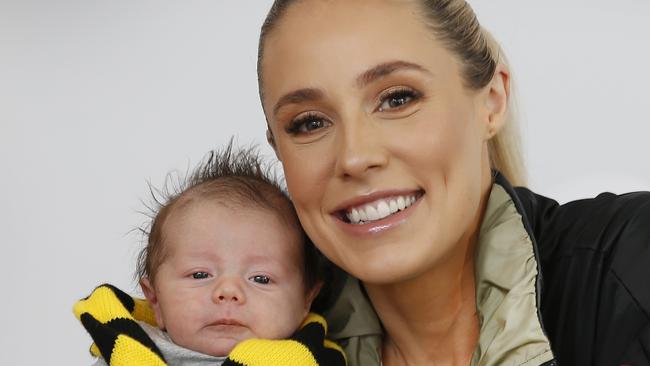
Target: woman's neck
{"points": [[430, 319]]}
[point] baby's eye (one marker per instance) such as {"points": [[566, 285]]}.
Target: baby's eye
{"points": [[262, 279], [200, 275], [307, 124], [395, 99]]}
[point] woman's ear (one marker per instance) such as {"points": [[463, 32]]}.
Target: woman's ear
{"points": [[496, 100], [150, 294]]}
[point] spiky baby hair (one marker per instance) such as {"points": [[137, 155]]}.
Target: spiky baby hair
{"points": [[236, 177]]}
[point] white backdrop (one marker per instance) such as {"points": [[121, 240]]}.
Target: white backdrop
{"points": [[97, 97]]}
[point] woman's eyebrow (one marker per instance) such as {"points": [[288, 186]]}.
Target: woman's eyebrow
{"points": [[386, 68], [376, 72], [298, 96]]}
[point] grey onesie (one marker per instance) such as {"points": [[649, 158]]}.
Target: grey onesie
{"points": [[174, 355]]}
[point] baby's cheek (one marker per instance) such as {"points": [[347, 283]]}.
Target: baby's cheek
{"points": [[295, 319], [181, 322], [278, 314], [283, 331], [274, 323], [176, 329]]}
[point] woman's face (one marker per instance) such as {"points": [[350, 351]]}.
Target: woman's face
{"points": [[383, 148]]}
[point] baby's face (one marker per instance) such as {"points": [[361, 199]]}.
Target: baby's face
{"points": [[229, 275]]}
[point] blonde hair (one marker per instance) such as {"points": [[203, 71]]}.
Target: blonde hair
{"points": [[454, 23], [505, 147]]}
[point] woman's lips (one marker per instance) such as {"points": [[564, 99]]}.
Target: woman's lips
{"points": [[380, 208], [378, 212]]}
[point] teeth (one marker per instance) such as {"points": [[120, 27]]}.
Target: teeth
{"points": [[393, 206], [379, 209], [372, 213], [382, 209], [400, 203], [355, 215], [362, 215]]}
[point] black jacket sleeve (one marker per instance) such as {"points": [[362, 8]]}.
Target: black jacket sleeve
{"points": [[595, 264]]}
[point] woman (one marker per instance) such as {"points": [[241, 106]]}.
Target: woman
{"points": [[391, 121]]}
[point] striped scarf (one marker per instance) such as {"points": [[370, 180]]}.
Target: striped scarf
{"points": [[110, 316]]}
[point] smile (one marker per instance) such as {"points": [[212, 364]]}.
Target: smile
{"points": [[379, 208]]}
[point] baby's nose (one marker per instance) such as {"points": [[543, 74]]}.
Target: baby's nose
{"points": [[228, 291], [228, 297]]}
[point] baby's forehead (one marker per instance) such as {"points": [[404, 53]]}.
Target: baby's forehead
{"points": [[267, 198], [255, 228], [278, 207]]}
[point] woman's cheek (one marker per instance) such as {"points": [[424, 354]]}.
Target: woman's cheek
{"points": [[307, 173], [308, 180], [307, 189]]}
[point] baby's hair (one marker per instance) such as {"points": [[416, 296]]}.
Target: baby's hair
{"points": [[236, 177]]}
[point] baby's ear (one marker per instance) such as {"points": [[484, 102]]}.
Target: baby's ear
{"points": [[311, 295], [150, 294]]}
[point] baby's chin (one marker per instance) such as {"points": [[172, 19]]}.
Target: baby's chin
{"points": [[211, 343], [220, 347]]}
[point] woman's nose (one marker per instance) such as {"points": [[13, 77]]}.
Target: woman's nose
{"points": [[361, 148], [228, 290]]}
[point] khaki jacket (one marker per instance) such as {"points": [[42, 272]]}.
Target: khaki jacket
{"points": [[507, 298]]}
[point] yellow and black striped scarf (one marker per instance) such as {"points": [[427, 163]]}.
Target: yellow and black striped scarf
{"points": [[110, 316]]}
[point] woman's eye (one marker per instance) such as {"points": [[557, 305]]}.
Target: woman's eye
{"points": [[307, 124], [200, 275], [264, 280], [397, 99]]}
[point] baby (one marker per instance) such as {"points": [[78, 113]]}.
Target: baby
{"points": [[226, 261]]}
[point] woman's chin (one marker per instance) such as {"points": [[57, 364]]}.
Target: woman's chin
{"points": [[387, 269]]}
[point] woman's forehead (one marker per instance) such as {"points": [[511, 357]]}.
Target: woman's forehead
{"points": [[322, 26], [337, 41]]}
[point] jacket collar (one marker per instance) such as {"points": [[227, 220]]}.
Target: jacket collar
{"points": [[507, 300], [508, 282]]}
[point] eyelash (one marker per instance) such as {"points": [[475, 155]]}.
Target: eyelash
{"points": [[194, 275], [265, 279], [261, 279], [398, 93], [295, 127]]}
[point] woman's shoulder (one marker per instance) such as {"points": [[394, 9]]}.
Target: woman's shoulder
{"points": [[584, 224], [595, 263], [605, 235], [598, 224]]}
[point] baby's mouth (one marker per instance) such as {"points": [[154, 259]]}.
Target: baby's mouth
{"points": [[228, 322], [378, 209]]}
